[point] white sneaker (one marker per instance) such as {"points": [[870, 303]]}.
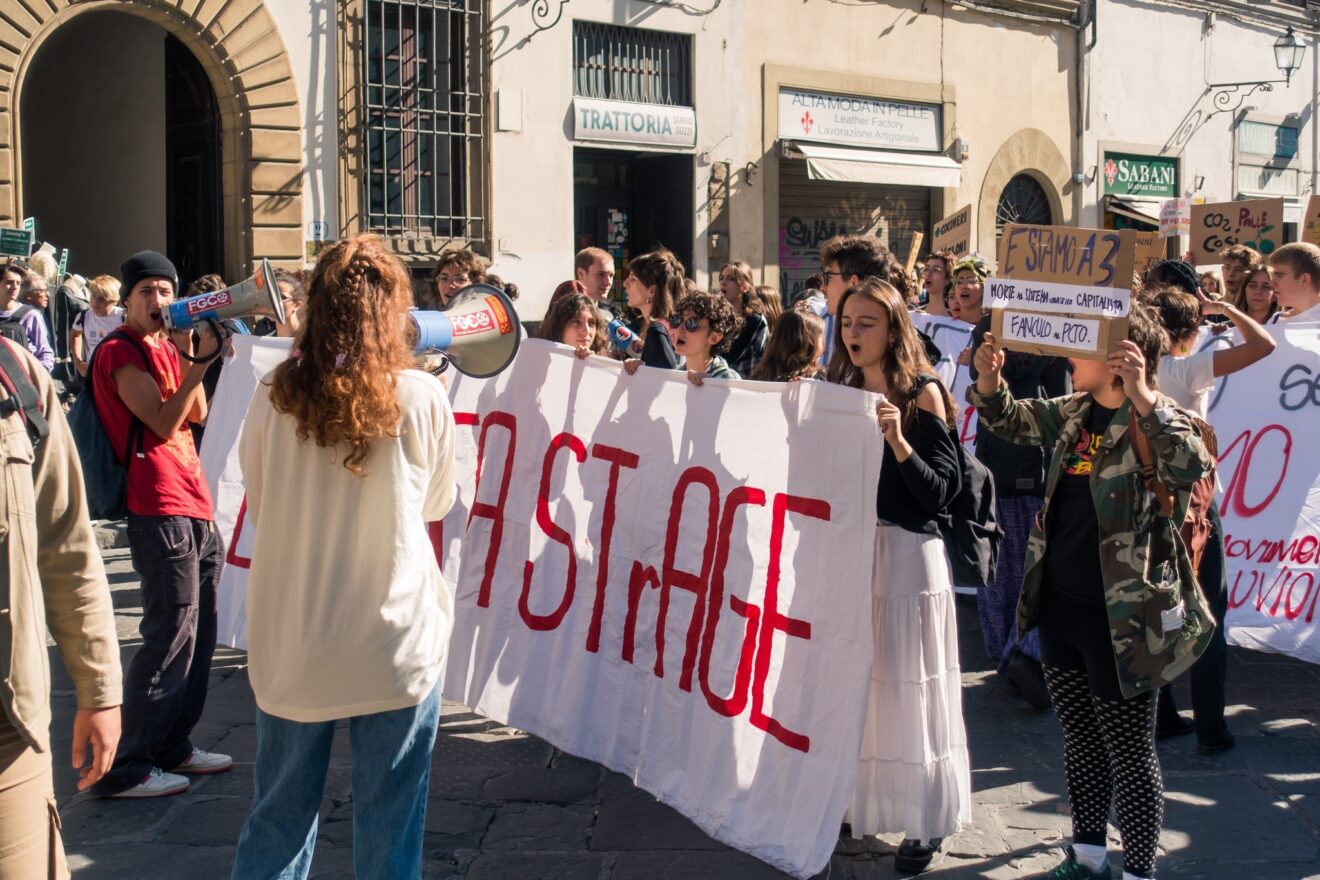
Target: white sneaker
{"points": [[157, 784], [200, 763]]}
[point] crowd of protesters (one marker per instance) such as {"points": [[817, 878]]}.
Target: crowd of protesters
{"points": [[1051, 428]]}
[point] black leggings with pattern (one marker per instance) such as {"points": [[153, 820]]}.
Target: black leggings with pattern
{"points": [[1108, 742]]}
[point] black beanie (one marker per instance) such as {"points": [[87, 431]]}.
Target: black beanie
{"points": [[146, 264], [1178, 273]]}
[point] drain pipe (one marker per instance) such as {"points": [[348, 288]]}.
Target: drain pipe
{"points": [[1087, 36]]}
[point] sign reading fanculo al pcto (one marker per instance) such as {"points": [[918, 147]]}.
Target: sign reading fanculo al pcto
{"points": [[624, 122]]}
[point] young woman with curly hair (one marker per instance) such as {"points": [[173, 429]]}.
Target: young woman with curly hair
{"points": [[347, 453], [914, 774]]}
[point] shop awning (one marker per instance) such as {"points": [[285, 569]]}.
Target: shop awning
{"points": [[877, 166], [1130, 211]]}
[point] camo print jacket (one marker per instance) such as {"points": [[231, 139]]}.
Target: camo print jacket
{"points": [[1159, 620]]}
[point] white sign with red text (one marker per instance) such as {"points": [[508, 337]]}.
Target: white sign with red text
{"points": [[952, 337], [641, 583], [253, 357], [1266, 419]]}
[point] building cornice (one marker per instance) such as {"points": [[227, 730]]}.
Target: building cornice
{"points": [[1271, 13]]}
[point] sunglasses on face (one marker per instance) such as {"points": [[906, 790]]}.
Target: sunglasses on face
{"points": [[691, 325]]}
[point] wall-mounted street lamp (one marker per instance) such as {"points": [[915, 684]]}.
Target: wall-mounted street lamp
{"points": [[1288, 52]]}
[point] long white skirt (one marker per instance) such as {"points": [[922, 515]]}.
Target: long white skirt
{"points": [[914, 776]]}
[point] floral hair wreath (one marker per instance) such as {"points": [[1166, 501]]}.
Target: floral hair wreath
{"points": [[974, 263]]}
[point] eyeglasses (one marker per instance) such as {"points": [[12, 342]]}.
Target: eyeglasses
{"points": [[691, 325], [825, 274], [452, 279]]}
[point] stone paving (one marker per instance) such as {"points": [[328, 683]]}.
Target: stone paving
{"points": [[504, 804]]}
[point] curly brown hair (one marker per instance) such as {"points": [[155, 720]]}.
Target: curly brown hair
{"points": [[340, 386], [205, 284], [562, 312], [714, 308], [793, 348]]}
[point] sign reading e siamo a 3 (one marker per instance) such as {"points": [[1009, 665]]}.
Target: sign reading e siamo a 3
{"points": [[624, 122], [1130, 174]]}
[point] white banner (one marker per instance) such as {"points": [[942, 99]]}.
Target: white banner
{"points": [[1266, 418], [671, 580], [253, 357], [952, 336]]}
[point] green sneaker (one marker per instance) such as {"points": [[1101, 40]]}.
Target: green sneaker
{"points": [[1075, 870]]}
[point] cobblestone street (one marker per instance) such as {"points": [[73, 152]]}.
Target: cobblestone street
{"points": [[507, 805]]}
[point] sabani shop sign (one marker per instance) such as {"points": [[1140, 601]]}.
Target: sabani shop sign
{"points": [[1130, 174]]}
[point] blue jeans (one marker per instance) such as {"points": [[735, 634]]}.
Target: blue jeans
{"points": [[391, 772]]}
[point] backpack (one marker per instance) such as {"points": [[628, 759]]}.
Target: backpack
{"points": [[24, 398], [968, 525], [104, 471], [1195, 529], [12, 327]]}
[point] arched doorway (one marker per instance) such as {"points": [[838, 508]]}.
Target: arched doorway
{"points": [[1023, 200], [121, 146], [240, 51]]}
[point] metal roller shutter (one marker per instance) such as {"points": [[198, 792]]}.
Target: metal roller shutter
{"points": [[811, 211]]}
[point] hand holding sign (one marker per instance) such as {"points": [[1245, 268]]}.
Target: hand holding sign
{"points": [[1129, 365], [989, 364]]}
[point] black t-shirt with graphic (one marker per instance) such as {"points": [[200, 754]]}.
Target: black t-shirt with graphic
{"points": [[1072, 552]]}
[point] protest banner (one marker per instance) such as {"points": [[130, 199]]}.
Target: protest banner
{"points": [[1175, 217], [952, 337], [914, 250], [1311, 222], [1265, 418], [954, 233], [1258, 224], [632, 577], [1150, 250], [1062, 291], [253, 357]]}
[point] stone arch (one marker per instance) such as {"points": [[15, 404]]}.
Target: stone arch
{"points": [[239, 46], [1028, 151]]}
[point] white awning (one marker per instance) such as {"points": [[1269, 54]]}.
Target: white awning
{"points": [[878, 166]]}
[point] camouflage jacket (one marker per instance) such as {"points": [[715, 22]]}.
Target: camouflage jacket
{"points": [[1159, 620]]}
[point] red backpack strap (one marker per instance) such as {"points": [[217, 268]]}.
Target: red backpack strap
{"points": [[24, 398]]}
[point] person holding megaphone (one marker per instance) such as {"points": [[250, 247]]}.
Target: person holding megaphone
{"points": [[347, 452]]}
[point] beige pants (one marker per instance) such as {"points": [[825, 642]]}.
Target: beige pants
{"points": [[30, 846]]}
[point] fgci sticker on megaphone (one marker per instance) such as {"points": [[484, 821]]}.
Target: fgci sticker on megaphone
{"points": [[208, 302], [492, 317]]}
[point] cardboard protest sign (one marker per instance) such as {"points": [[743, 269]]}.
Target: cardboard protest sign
{"points": [[1062, 291], [954, 233], [1258, 224], [1311, 222], [1150, 250], [1175, 217], [913, 250]]}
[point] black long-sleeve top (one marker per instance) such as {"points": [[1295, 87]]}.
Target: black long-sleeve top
{"points": [[658, 348], [913, 493]]}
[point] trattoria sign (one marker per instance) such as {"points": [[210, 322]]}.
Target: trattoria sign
{"points": [[1062, 291], [624, 122], [859, 121]]}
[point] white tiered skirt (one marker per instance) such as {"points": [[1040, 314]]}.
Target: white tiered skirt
{"points": [[914, 775]]}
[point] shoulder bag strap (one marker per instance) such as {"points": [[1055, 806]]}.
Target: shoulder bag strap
{"points": [[1141, 443], [23, 396], [136, 430]]}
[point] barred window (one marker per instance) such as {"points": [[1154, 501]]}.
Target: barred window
{"points": [[631, 64], [424, 76]]}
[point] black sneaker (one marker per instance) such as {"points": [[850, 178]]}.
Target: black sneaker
{"points": [[914, 857], [1075, 870], [1179, 727]]}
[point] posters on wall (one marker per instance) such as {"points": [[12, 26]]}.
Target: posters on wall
{"points": [[1175, 217]]}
